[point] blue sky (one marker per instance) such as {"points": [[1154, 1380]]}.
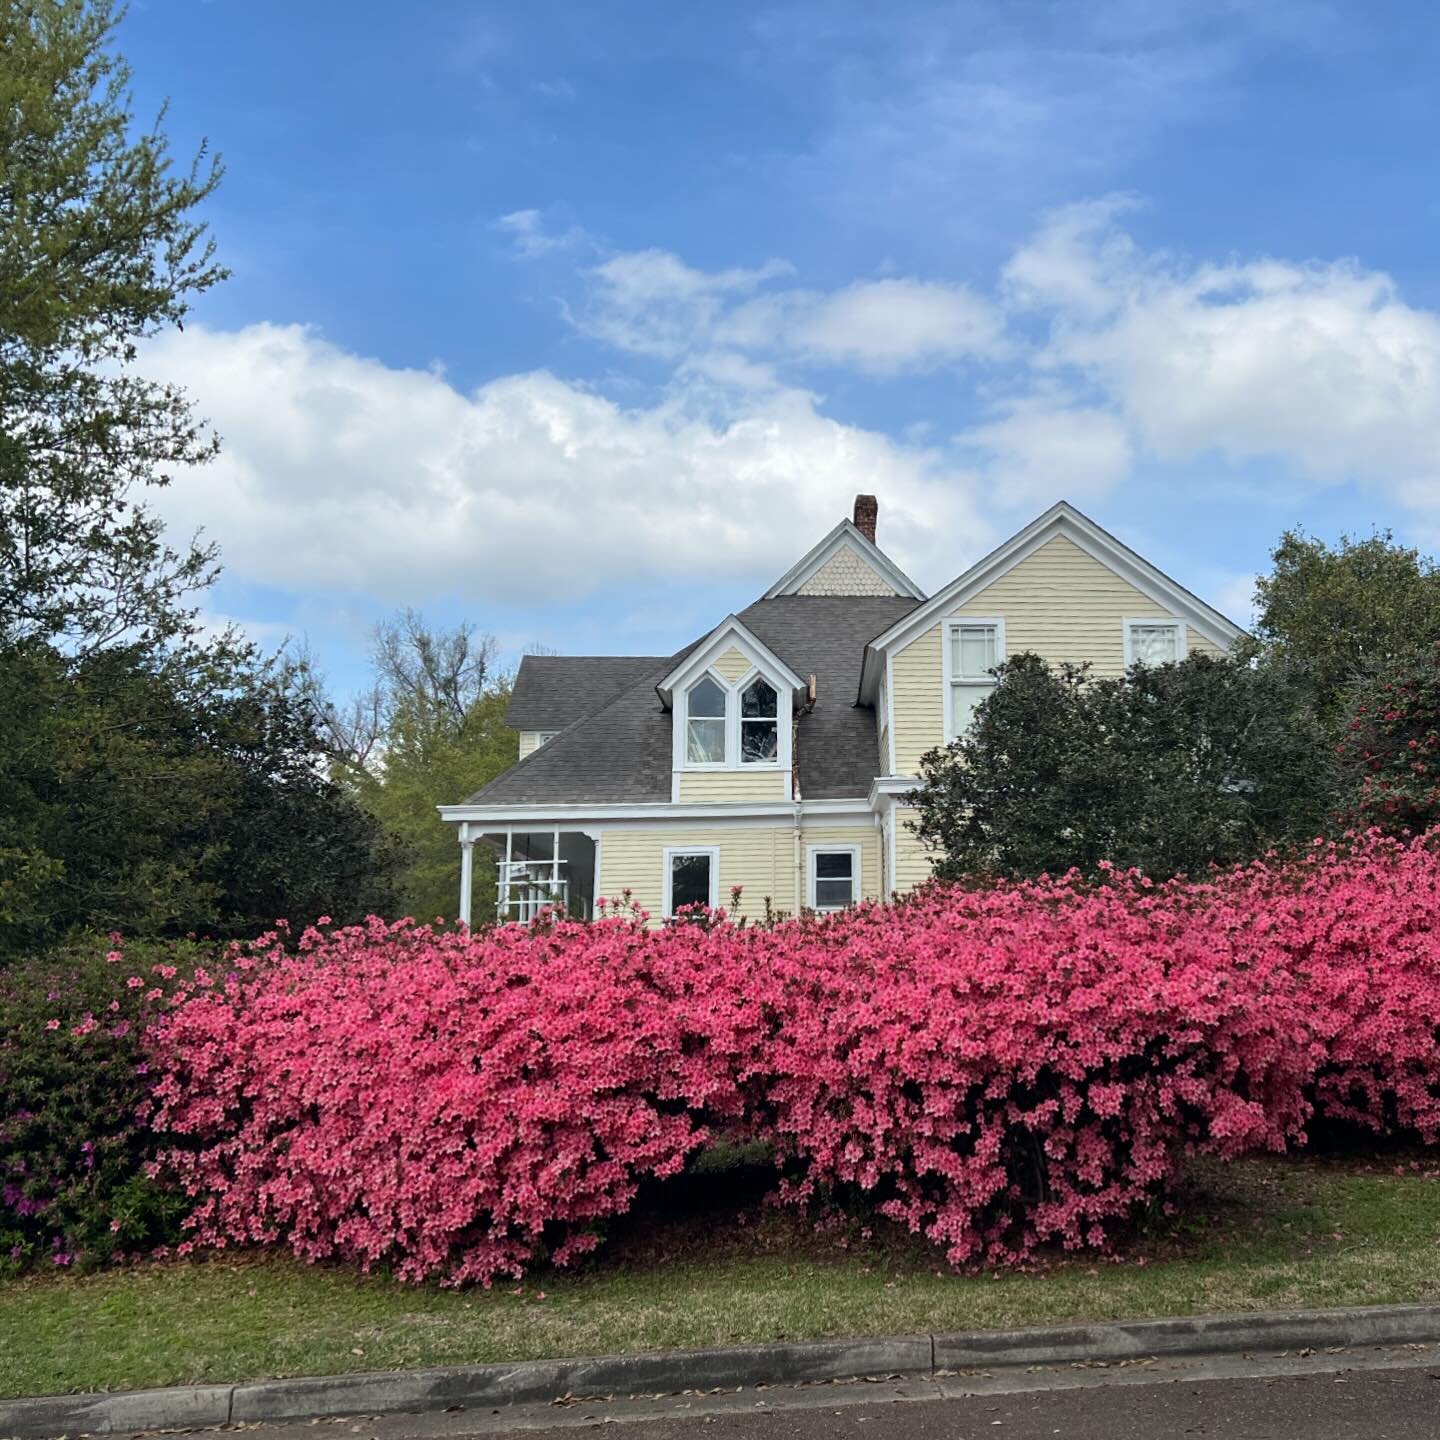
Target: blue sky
{"points": [[583, 321]]}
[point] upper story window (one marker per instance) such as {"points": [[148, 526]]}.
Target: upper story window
{"points": [[976, 647], [705, 722], [543, 737], [759, 723], [730, 726], [1153, 642]]}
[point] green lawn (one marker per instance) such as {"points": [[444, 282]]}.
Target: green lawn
{"points": [[1256, 1235]]}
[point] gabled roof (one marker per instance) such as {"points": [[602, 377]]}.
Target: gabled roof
{"points": [[731, 631], [553, 690], [1061, 519], [622, 752], [844, 535]]}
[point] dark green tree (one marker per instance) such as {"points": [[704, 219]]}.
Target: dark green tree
{"points": [[1339, 615], [99, 251], [1390, 747], [163, 792], [1170, 769]]}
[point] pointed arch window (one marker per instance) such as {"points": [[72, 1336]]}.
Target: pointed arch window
{"points": [[759, 723], [705, 722]]}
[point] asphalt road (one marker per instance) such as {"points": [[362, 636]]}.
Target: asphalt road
{"points": [[1356, 1405]]}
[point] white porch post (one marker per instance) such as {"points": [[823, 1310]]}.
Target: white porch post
{"points": [[467, 871]]}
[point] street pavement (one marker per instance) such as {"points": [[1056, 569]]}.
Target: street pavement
{"points": [[1383, 1405], [1380, 1393]]}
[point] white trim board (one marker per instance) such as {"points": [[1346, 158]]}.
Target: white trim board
{"points": [[844, 536], [489, 818], [1064, 520]]}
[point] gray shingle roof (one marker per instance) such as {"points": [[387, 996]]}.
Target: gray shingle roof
{"points": [[552, 690], [620, 751]]}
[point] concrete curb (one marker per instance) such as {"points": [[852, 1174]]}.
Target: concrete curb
{"points": [[925, 1356]]}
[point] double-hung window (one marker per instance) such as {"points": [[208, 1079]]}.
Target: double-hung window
{"points": [[975, 649], [834, 876], [1153, 642]]}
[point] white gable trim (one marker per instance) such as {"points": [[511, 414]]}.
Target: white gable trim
{"points": [[731, 632], [844, 536], [1066, 521]]}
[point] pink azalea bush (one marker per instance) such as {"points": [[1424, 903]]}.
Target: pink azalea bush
{"points": [[997, 1069], [455, 1105]]}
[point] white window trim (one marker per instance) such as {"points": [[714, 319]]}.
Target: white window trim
{"points": [[856, 887], [1174, 621], [544, 737], [713, 851], [732, 762], [953, 623], [684, 716]]}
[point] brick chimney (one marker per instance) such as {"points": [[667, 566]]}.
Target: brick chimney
{"points": [[867, 512]]}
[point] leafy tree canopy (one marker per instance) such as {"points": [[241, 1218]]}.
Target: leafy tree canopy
{"points": [[1168, 770], [1341, 614], [429, 731]]}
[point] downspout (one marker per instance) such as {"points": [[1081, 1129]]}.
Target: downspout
{"points": [[798, 858]]}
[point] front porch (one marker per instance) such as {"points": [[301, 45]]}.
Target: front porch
{"points": [[534, 868]]}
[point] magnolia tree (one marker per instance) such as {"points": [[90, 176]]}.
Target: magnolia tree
{"points": [[1171, 769]]}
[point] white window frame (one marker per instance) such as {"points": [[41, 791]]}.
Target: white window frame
{"points": [[729, 718], [741, 763], [1173, 621], [544, 737], [671, 852], [733, 691], [947, 633], [812, 852]]}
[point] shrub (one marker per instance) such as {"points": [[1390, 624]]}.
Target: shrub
{"points": [[997, 1069], [73, 1079], [454, 1105], [1027, 1064]]}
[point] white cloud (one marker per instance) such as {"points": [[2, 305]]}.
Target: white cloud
{"points": [[531, 237], [650, 302], [342, 475], [882, 326], [1041, 452], [1322, 366]]}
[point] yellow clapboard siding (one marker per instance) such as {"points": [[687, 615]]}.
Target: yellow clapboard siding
{"points": [[912, 859], [762, 860], [916, 683], [1060, 603], [717, 786]]}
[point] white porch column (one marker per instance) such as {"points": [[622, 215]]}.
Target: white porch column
{"points": [[467, 872]]}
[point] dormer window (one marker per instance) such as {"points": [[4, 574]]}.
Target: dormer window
{"points": [[759, 724], [705, 722], [728, 724], [731, 700]]}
